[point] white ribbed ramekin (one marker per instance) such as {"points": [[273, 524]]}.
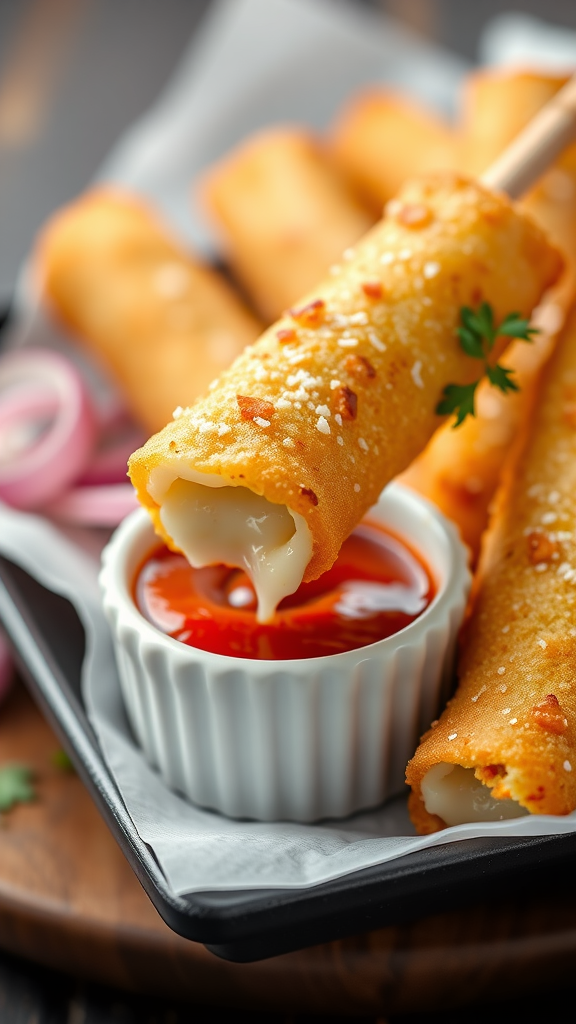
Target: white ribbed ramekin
{"points": [[298, 740]]}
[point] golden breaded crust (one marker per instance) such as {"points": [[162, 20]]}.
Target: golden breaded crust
{"points": [[348, 387], [380, 139], [284, 213], [513, 717], [159, 322]]}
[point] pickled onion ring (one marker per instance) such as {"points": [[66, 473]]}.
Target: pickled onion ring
{"points": [[5, 666], [94, 506], [45, 468]]}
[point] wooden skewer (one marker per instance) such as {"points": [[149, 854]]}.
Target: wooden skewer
{"points": [[536, 147]]}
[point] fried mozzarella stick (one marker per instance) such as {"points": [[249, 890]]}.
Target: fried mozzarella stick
{"points": [[460, 469], [276, 465], [158, 321], [284, 214], [506, 743], [381, 139], [496, 104]]}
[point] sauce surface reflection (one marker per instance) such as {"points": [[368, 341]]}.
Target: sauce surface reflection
{"points": [[376, 587]]}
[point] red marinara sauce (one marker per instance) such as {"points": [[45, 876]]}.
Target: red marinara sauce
{"points": [[376, 587]]}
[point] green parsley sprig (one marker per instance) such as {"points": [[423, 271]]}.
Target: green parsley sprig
{"points": [[15, 785], [62, 762], [477, 335]]}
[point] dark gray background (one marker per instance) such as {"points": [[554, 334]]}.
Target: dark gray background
{"points": [[73, 75]]}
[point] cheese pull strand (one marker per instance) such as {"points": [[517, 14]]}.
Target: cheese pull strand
{"points": [[231, 525]]}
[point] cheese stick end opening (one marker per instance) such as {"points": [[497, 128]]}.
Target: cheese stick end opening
{"points": [[455, 795], [213, 521]]}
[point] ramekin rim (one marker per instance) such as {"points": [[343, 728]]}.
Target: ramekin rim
{"points": [[456, 583]]}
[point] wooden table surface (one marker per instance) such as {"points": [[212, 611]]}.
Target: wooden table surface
{"points": [[69, 900]]}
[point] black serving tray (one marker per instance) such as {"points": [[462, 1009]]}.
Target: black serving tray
{"points": [[48, 642]]}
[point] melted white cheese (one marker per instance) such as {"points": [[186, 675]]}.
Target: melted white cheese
{"points": [[213, 523], [455, 795]]}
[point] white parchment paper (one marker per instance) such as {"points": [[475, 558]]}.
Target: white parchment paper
{"points": [[255, 62]]}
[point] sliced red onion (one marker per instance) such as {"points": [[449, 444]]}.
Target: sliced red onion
{"points": [[6, 668], [45, 467], [112, 415], [94, 506], [24, 402], [109, 461]]}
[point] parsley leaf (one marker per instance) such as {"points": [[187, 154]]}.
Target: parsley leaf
{"points": [[477, 334], [470, 342], [15, 785], [458, 398], [485, 319], [515, 327], [500, 377]]}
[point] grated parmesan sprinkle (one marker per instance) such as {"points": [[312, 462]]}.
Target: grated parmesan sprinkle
{"points": [[416, 375], [431, 269], [393, 206], [375, 341]]}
